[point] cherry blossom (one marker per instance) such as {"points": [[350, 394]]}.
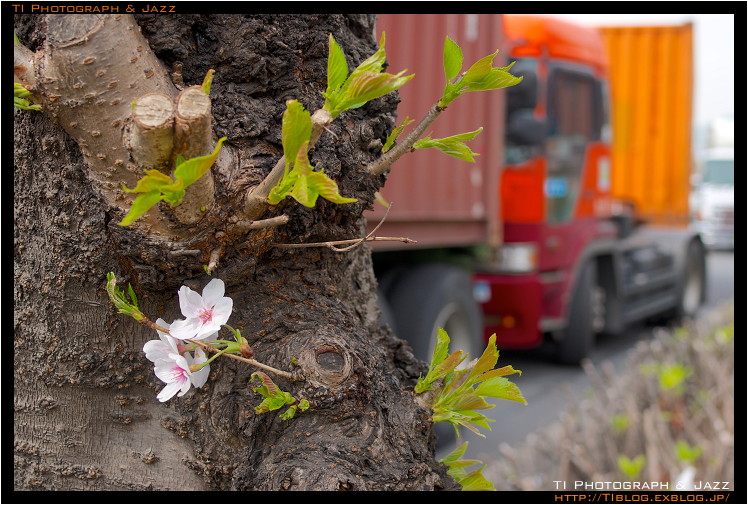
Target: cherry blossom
{"points": [[204, 314], [160, 349], [174, 370]]}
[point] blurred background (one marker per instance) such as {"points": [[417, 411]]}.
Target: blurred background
{"points": [[593, 235], [713, 54]]}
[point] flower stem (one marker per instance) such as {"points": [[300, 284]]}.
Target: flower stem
{"points": [[292, 376]]}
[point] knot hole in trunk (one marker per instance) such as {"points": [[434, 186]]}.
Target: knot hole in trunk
{"points": [[328, 362]]}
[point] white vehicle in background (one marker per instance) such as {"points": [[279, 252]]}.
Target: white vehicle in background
{"points": [[714, 205]]}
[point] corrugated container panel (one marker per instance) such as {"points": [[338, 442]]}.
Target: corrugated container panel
{"points": [[651, 86], [438, 199]]}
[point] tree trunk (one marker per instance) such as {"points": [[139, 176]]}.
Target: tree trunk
{"points": [[86, 413]]}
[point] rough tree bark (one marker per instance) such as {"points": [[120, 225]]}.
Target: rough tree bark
{"points": [[86, 415]]}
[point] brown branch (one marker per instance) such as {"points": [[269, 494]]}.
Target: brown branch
{"points": [[262, 223], [193, 137], [256, 199], [150, 134], [292, 376], [380, 166]]}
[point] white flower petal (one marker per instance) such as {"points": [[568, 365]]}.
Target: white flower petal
{"points": [[166, 370], [185, 328], [222, 310], [206, 330], [156, 349], [166, 337], [185, 387], [200, 377], [213, 292], [189, 302], [169, 391]]}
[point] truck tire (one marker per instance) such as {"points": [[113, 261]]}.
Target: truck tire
{"points": [[692, 292], [431, 296], [575, 341]]}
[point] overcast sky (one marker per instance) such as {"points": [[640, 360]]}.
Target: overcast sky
{"points": [[714, 55]]}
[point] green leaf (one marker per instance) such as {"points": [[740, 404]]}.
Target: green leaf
{"points": [[19, 101], [473, 481], [502, 388], [496, 79], [117, 297], [441, 349], [487, 360], [153, 181], [672, 376], [499, 372], [208, 80], [156, 186], [452, 146], [620, 423], [453, 457], [471, 402], [140, 206], [271, 403], [439, 370], [267, 386], [479, 70], [631, 467], [296, 130], [288, 414], [303, 184], [283, 188], [368, 86], [191, 170], [481, 76], [394, 134], [452, 59], [687, 453], [337, 67], [364, 84], [275, 398], [373, 63], [476, 481]]}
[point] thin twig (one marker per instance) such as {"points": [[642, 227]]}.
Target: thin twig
{"points": [[356, 241], [288, 375], [371, 234]]}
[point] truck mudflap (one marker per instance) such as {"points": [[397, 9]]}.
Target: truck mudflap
{"points": [[511, 306]]}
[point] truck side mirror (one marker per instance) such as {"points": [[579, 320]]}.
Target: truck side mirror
{"points": [[525, 129]]}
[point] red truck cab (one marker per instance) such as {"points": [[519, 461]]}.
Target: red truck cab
{"points": [[555, 186]]}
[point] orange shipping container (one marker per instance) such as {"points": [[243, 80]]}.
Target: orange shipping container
{"points": [[651, 87]]}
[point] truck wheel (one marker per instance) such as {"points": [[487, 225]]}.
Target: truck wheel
{"points": [[427, 297], [577, 338], [693, 290], [432, 296]]}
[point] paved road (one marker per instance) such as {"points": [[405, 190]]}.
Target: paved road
{"points": [[549, 387]]}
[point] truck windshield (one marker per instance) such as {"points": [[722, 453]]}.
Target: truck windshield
{"points": [[719, 172]]}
